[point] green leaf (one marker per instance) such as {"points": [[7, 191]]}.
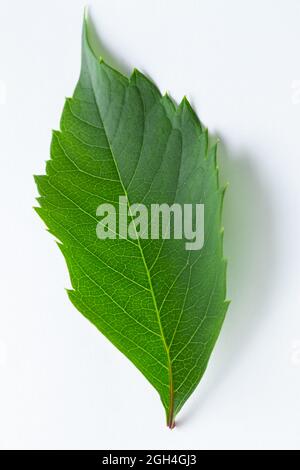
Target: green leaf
{"points": [[159, 304]]}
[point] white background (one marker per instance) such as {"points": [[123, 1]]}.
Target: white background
{"points": [[63, 385]]}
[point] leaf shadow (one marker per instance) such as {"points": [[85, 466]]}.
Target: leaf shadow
{"points": [[101, 50], [250, 247]]}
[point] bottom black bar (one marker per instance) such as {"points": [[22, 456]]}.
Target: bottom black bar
{"points": [[105, 458]]}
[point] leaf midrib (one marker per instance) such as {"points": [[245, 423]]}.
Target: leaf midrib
{"points": [[169, 362]]}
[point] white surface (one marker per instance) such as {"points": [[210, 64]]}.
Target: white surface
{"points": [[63, 385]]}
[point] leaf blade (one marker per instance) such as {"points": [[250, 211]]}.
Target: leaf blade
{"points": [[119, 136]]}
